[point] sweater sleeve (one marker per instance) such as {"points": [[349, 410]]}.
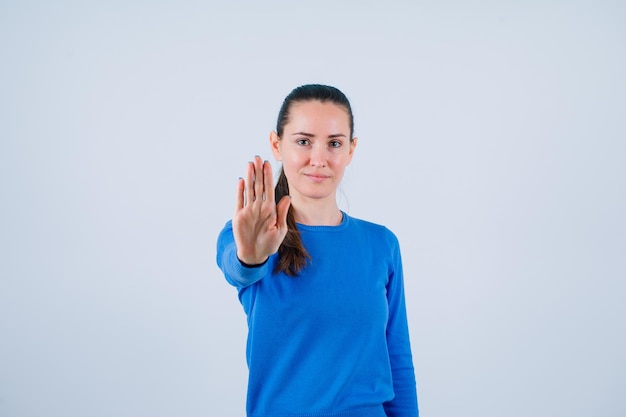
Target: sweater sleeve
{"points": [[404, 404], [236, 273]]}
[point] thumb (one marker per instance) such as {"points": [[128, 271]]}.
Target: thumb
{"points": [[282, 208]]}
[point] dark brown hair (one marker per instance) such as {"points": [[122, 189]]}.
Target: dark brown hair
{"points": [[292, 255]]}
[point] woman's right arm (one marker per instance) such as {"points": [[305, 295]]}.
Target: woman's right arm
{"points": [[236, 272], [258, 227]]}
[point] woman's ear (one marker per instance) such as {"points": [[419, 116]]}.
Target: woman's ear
{"points": [[353, 143], [275, 145]]}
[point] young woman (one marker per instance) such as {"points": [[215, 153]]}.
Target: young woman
{"points": [[323, 291]]}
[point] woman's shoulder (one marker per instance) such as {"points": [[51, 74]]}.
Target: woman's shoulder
{"points": [[357, 221], [370, 227]]}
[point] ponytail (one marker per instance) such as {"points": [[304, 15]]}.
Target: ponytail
{"points": [[292, 256]]}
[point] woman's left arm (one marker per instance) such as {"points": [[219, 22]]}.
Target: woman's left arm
{"points": [[404, 403]]}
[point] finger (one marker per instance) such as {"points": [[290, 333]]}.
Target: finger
{"points": [[240, 194], [249, 198], [281, 212], [258, 179], [268, 181]]}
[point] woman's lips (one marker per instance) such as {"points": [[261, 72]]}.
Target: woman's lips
{"points": [[317, 177]]}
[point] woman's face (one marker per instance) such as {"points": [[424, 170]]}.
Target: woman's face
{"points": [[315, 149]]}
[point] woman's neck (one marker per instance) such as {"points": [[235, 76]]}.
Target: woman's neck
{"points": [[317, 213]]}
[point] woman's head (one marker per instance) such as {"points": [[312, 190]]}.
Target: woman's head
{"points": [[314, 141]]}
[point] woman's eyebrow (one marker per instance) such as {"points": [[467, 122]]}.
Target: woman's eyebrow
{"points": [[311, 135]]}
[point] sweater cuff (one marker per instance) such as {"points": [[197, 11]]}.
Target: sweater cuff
{"points": [[253, 265], [239, 274]]}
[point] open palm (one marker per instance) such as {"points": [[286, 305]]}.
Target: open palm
{"points": [[259, 224]]}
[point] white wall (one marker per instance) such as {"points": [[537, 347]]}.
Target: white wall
{"points": [[492, 141]]}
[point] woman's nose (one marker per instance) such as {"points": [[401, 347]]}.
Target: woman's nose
{"points": [[318, 156]]}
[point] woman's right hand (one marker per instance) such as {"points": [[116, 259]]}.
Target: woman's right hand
{"points": [[259, 224]]}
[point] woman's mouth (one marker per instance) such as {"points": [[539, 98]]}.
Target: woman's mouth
{"points": [[317, 177]]}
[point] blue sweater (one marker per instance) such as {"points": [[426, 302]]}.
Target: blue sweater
{"points": [[333, 341]]}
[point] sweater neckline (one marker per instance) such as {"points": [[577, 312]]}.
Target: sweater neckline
{"points": [[313, 228]]}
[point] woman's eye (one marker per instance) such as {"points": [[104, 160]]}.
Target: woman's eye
{"points": [[335, 144], [303, 142]]}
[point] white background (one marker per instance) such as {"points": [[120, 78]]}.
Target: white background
{"points": [[491, 141]]}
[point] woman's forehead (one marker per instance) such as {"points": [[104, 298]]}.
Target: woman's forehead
{"points": [[318, 115]]}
